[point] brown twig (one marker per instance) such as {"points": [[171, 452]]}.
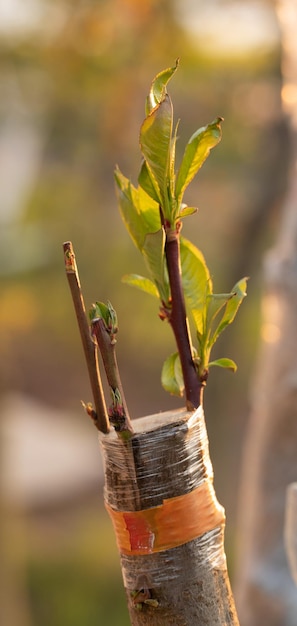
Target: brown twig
{"points": [[118, 411], [99, 416]]}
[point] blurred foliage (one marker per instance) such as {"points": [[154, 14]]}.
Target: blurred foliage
{"points": [[67, 83]]}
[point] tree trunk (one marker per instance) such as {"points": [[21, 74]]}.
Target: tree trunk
{"points": [[169, 526], [14, 601], [265, 591]]}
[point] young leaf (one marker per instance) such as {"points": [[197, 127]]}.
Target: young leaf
{"points": [[139, 212], [171, 377], [196, 280], [142, 219], [186, 210], [155, 143], [148, 183], [196, 152], [100, 311], [144, 284], [232, 306], [227, 363], [158, 88], [215, 302], [172, 173], [154, 255], [106, 313]]}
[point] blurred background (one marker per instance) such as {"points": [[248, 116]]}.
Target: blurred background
{"points": [[74, 76]]}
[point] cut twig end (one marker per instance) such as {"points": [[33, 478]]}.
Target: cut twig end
{"points": [[89, 409], [69, 258]]}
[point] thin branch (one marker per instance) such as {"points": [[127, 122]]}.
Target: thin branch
{"points": [[179, 322], [99, 416]]}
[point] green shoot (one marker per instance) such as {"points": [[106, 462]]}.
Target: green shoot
{"points": [[178, 274]]}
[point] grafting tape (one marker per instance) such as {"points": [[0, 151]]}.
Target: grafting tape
{"points": [[175, 522]]}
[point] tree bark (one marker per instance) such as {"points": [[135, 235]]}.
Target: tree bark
{"points": [[169, 526], [265, 590]]}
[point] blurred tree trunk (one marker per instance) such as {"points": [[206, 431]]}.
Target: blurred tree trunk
{"points": [[265, 590], [14, 602]]}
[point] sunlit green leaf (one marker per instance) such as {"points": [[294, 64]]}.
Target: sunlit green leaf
{"points": [[197, 150], [187, 210], [142, 219], [148, 183], [158, 88], [178, 375], [227, 363], [232, 306], [196, 280], [142, 283], [155, 142], [154, 255], [139, 212], [171, 377], [174, 205], [215, 302]]}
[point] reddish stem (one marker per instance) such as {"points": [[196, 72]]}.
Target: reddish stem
{"points": [[179, 322]]}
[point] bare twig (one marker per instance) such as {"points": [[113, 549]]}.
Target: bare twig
{"points": [[99, 416]]}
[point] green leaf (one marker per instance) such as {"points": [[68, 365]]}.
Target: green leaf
{"points": [[99, 311], [215, 302], [172, 172], [196, 280], [171, 377], [196, 152], [187, 210], [158, 88], [155, 143], [142, 219], [148, 183], [139, 212], [232, 306], [227, 363], [144, 284], [154, 255]]}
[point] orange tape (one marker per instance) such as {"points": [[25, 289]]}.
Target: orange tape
{"points": [[173, 523]]}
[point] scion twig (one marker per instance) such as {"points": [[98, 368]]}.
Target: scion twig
{"points": [[177, 318], [118, 411], [99, 415]]}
